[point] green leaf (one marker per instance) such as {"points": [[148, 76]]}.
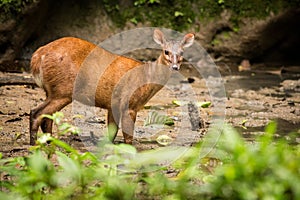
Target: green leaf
{"points": [[9, 196], [164, 140], [44, 138], [209, 178], [169, 121], [154, 1], [220, 1], [56, 117], [204, 104], [271, 128], [111, 131], [126, 148], [39, 165], [178, 14], [63, 145], [89, 156], [71, 168], [134, 20], [243, 122]]}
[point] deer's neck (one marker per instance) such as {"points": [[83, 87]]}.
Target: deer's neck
{"points": [[161, 60], [157, 72]]}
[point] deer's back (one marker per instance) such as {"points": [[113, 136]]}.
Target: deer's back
{"points": [[69, 63]]}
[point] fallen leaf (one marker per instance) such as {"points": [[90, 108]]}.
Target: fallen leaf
{"points": [[164, 140], [203, 104]]}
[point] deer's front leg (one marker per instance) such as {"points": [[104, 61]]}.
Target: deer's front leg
{"points": [[128, 120]]}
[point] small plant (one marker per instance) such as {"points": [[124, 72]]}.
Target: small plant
{"points": [[63, 126], [55, 170], [267, 169], [154, 118]]}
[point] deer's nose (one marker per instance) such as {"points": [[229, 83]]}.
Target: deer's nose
{"points": [[174, 62], [175, 67]]}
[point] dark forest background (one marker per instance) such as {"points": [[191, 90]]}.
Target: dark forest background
{"points": [[261, 31]]}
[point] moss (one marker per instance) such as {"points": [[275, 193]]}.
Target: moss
{"points": [[216, 42], [226, 34]]}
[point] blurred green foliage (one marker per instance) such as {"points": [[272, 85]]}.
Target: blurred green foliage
{"points": [[11, 8], [181, 14], [175, 14], [265, 169]]}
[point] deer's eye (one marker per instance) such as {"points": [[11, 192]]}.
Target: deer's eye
{"points": [[167, 52]]}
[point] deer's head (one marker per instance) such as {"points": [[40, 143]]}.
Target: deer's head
{"points": [[172, 54]]}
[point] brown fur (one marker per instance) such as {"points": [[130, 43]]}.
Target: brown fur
{"points": [[71, 68]]}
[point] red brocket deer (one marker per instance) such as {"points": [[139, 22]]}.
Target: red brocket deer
{"points": [[67, 63]]}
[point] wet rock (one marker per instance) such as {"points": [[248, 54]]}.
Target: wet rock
{"points": [[291, 85], [194, 116]]}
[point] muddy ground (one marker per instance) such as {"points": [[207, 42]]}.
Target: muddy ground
{"points": [[253, 99]]}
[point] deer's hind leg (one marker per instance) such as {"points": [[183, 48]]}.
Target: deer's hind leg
{"points": [[49, 107]]}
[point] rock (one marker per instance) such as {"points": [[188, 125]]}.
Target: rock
{"points": [[244, 66], [291, 85], [194, 117], [273, 40]]}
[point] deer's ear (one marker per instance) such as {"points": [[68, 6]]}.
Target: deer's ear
{"points": [[159, 37], [187, 40]]}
